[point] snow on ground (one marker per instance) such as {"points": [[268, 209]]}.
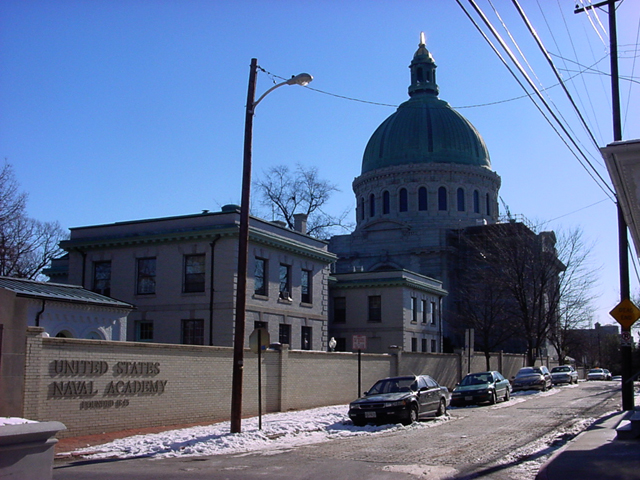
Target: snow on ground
{"points": [[284, 431]]}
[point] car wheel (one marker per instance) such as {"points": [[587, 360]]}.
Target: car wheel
{"points": [[442, 408], [413, 415], [507, 395], [544, 387], [493, 400]]}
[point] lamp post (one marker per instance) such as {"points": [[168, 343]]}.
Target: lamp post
{"points": [[243, 242]]}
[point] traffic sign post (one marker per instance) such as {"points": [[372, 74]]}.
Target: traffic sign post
{"points": [[626, 314], [359, 343], [259, 341]]}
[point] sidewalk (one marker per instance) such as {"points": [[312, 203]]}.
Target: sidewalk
{"points": [[596, 454]]}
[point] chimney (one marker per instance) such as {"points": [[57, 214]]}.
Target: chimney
{"points": [[300, 222]]}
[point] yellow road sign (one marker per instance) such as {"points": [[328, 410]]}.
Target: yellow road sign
{"points": [[626, 313]]}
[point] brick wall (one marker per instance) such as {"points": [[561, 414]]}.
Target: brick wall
{"points": [[97, 386]]}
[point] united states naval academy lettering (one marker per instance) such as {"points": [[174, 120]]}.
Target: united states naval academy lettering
{"points": [[97, 368]]}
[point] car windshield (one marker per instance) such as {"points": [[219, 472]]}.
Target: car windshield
{"points": [[560, 369], [528, 371], [476, 379], [595, 370], [393, 385]]}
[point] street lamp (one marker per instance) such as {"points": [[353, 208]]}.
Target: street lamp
{"points": [[243, 243]]}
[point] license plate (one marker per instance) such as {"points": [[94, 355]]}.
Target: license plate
{"points": [[468, 399], [369, 414]]}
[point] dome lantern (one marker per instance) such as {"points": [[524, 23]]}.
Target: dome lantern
{"points": [[423, 71]]}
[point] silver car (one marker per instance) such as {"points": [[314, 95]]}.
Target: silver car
{"points": [[564, 374], [596, 374], [532, 378]]}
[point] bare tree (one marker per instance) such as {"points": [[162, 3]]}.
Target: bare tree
{"points": [[288, 193], [523, 268], [576, 284], [26, 245]]}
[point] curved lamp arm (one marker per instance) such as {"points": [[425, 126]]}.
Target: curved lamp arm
{"points": [[300, 79]]}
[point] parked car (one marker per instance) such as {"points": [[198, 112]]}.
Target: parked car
{"points": [[607, 374], [400, 399], [481, 387], [617, 378], [528, 378], [596, 374], [564, 374]]}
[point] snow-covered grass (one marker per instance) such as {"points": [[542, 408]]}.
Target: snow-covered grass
{"points": [[279, 431]]}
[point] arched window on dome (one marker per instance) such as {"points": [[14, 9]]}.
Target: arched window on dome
{"points": [[386, 203], [403, 200], [476, 201], [460, 195], [362, 214], [488, 205], [372, 205], [442, 198], [422, 199]]}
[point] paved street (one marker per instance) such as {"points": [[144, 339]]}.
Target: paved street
{"points": [[505, 441]]}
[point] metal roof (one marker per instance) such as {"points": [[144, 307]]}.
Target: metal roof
{"points": [[59, 292]]}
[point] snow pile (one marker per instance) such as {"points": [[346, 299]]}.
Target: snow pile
{"points": [[14, 421]]}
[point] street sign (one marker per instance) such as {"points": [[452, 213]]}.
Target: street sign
{"points": [[259, 340], [359, 342], [626, 313], [625, 339]]}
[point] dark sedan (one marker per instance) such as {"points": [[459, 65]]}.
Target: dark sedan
{"points": [[481, 387], [400, 399]]}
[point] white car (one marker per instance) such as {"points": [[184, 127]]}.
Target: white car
{"points": [[596, 374]]}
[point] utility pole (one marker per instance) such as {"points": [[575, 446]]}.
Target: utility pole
{"points": [[623, 248]]}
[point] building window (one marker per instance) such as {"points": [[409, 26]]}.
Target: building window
{"points": [[285, 282], [340, 310], [260, 324], [306, 337], [362, 211], [285, 334], [305, 286], [403, 200], [372, 205], [422, 199], [146, 283], [386, 202], [488, 201], [424, 345], [433, 313], [194, 273], [414, 310], [433, 346], [193, 332], [442, 198], [424, 311], [476, 202], [144, 331], [375, 308], [461, 205], [414, 344], [260, 277], [102, 278]]}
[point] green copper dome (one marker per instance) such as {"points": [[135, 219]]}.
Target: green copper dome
{"points": [[424, 129]]}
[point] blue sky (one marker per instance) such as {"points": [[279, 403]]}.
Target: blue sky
{"points": [[123, 110]]}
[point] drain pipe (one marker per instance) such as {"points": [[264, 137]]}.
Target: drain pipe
{"points": [[211, 289]]}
